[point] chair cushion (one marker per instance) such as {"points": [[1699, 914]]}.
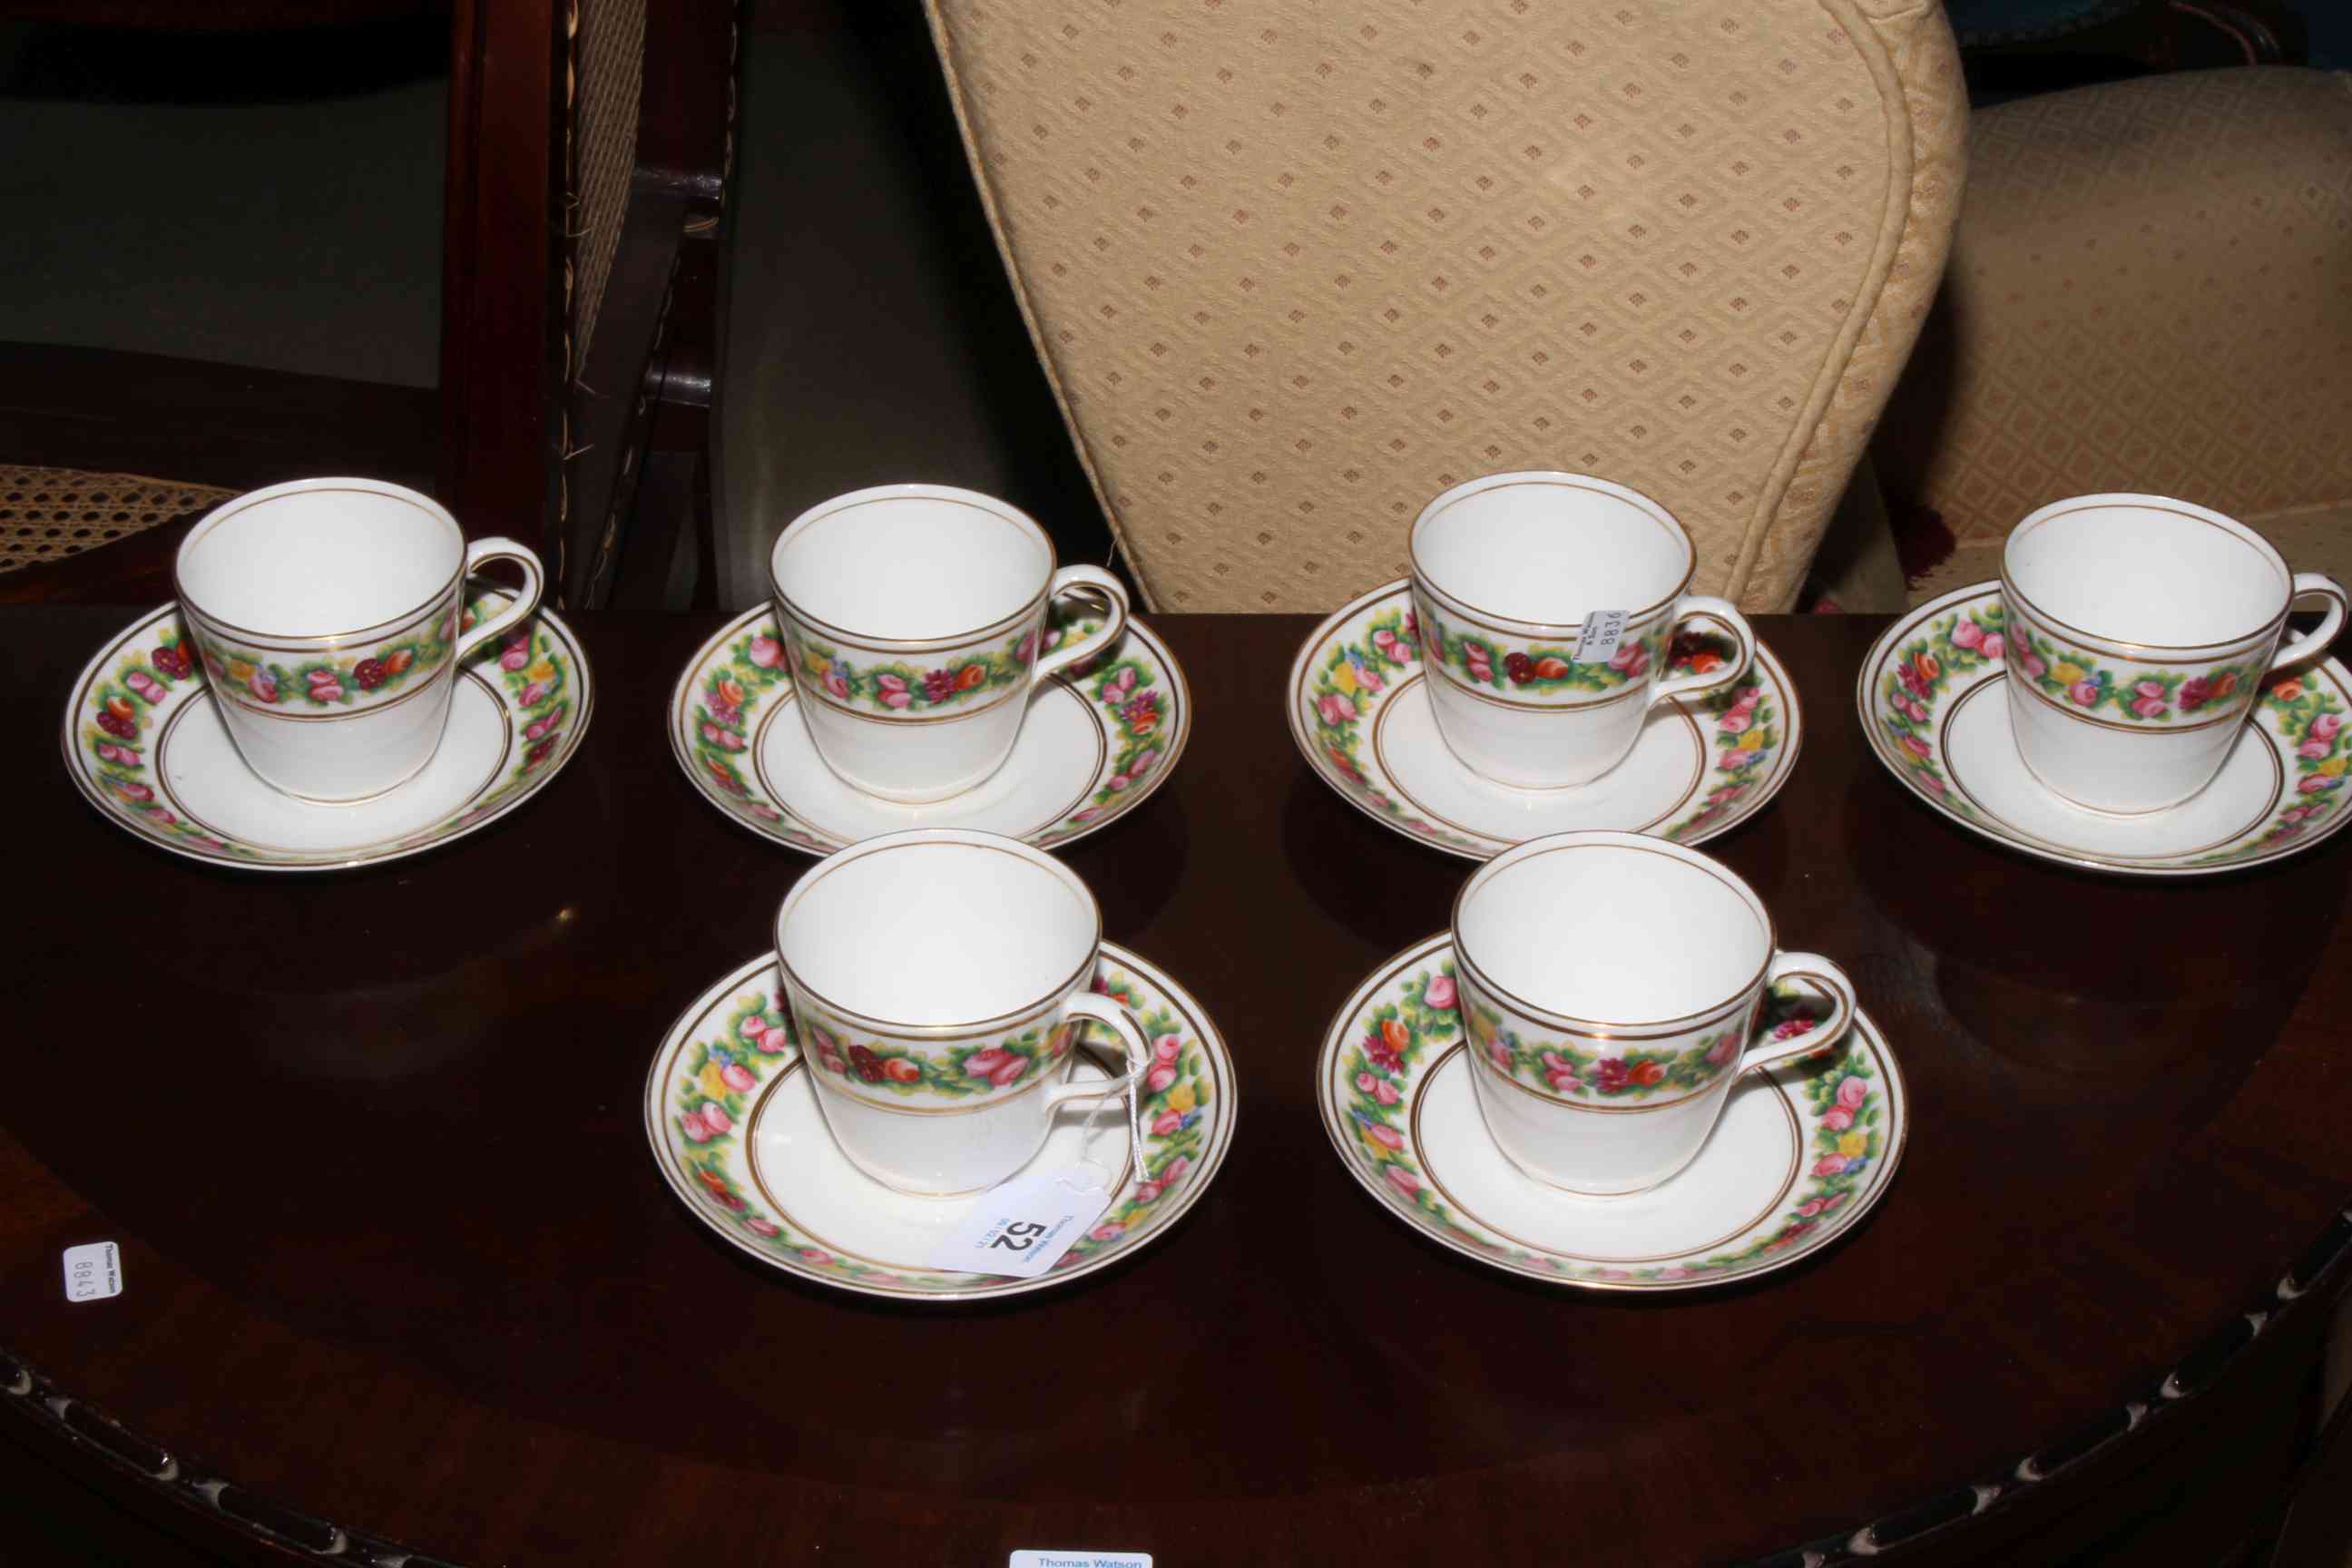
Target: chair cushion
{"points": [[1294, 269]]}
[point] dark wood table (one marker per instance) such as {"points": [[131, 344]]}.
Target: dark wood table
{"points": [[399, 1264]]}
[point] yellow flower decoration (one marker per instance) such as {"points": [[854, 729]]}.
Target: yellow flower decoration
{"points": [[1855, 1142], [2332, 767], [2067, 672], [712, 1084], [1180, 1098]]}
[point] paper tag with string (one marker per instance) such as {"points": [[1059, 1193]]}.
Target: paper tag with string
{"points": [[1023, 1226]]}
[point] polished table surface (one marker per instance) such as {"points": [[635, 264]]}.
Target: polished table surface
{"points": [[397, 1257]]}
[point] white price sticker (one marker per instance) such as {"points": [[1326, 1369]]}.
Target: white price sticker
{"points": [[1022, 1227], [1603, 630], [93, 1271], [1081, 1560]]}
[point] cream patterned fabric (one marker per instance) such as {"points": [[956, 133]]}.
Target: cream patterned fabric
{"points": [[1294, 268], [608, 63], [2152, 292], [47, 514]]}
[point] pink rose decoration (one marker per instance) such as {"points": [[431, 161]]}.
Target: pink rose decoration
{"points": [[767, 652], [1024, 648], [716, 1118], [1386, 1092], [2085, 692], [1811, 1209], [696, 1129], [897, 699], [539, 726], [1175, 1170], [135, 791], [1735, 722], [736, 1077], [984, 1064], [1736, 759], [2324, 728], [1830, 1166], [1087, 816], [1440, 994], [1117, 781], [1968, 634], [1631, 660], [765, 1227], [1789, 1029], [164, 816], [2147, 706], [1404, 1181], [1109, 1232], [1851, 1093], [1167, 1122], [1994, 646], [1723, 1050], [2035, 667], [815, 1255], [1167, 1048], [1837, 1118], [2316, 783], [1918, 710], [535, 693], [1008, 1071], [264, 685], [1364, 1082], [1931, 782], [515, 657], [1385, 1136], [2313, 749], [1335, 709], [1143, 763], [1159, 1078]]}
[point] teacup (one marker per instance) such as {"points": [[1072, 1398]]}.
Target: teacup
{"points": [[2140, 629], [1612, 987], [1547, 603], [937, 980], [326, 613], [915, 615]]}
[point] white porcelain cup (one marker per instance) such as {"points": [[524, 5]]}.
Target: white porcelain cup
{"points": [[326, 613], [937, 980], [1508, 574], [2140, 629], [916, 614], [1612, 987]]}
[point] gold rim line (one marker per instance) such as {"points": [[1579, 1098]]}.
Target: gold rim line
{"points": [[677, 1168], [2016, 605], [199, 620], [1671, 522], [1429, 1168], [2262, 547], [974, 1029], [1661, 847], [2277, 794], [506, 751], [258, 711], [2126, 726], [1380, 755], [1632, 689], [1020, 521], [213, 520], [1487, 1062]]}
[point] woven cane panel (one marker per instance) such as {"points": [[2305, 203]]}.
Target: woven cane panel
{"points": [[1296, 269], [47, 514], [611, 63], [2153, 293]]}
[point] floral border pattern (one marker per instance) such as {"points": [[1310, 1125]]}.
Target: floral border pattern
{"points": [[2310, 722], [2154, 698], [1131, 680], [894, 1069], [1957, 645], [1540, 669], [718, 1074], [127, 707], [1850, 1121], [899, 687], [1353, 678], [328, 679]]}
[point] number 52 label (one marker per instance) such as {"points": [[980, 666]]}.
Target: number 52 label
{"points": [[1022, 1227]]}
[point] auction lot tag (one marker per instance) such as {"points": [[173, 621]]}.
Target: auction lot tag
{"points": [[1081, 1560], [1022, 1227], [93, 1271], [1603, 630]]}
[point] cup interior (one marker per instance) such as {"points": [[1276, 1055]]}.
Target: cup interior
{"points": [[937, 931], [911, 564], [1549, 547], [320, 560], [1613, 933], [2141, 569]]}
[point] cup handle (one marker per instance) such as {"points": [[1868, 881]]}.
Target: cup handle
{"points": [[1706, 606], [1829, 977], [1070, 578], [1139, 1056], [525, 606], [2316, 640]]}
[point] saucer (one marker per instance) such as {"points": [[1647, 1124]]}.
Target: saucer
{"points": [[1939, 718], [1098, 739], [144, 741], [735, 1128], [1803, 1151], [1360, 710]]}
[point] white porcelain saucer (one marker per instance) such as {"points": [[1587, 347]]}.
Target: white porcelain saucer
{"points": [[1098, 741], [736, 1129], [1801, 1153], [144, 741], [1932, 701], [1361, 714]]}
